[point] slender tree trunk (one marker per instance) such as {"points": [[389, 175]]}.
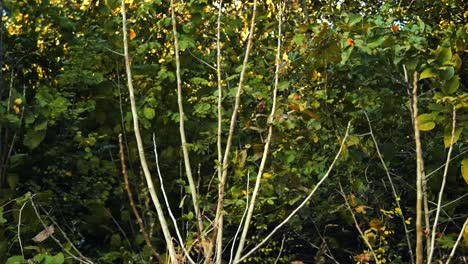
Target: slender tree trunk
{"points": [[419, 175], [141, 150], [188, 167]]}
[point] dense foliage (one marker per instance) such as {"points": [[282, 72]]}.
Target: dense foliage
{"points": [[64, 101]]}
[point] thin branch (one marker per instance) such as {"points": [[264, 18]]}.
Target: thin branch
{"points": [[19, 227], [419, 174], [251, 206], [132, 202], [281, 249], [202, 61], [356, 224], [139, 140], [183, 139], [174, 221], [242, 219], [443, 165], [442, 187], [394, 192], [219, 218], [452, 253], [81, 260], [219, 238], [304, 202]]}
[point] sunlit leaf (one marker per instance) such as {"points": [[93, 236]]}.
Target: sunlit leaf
{"points": [[425, 122], [428, 73], [464, 170]]}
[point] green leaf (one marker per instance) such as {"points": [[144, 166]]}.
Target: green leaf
{"points": [[57, 259], [33, 138], [346, 54], [354, 19], [428, 73], [15, 260], [444, 56], [149, 113], [464, 170], [451, 85], [426, 122], [447, 73], [448, 135], [283, 85], [376, 43]]}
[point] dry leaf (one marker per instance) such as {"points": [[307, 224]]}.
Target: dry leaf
{"points": [[44, 234], [132, 34]]}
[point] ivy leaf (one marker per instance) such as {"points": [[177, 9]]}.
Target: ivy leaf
{"points": [[426, 122], [464, 171]]}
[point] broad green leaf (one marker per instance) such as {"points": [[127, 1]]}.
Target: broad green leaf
{"points": [[149, 113], [444, 56], [346, 54], [32, 139], [451, 85], [15, 260], [57, 259], [448, 135], [426, 122], [456, 61], [428, 73], [376, 43], [447, 73], [354, 19], [464, 170], [283, 85]]}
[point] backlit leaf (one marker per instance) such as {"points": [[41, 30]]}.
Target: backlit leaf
{"points": [[464, 170]]}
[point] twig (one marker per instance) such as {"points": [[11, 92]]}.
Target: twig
{"points": [[132, 202], [19, 227], [304, 202], [255, 192], [139, 140], [242, 219], [442, 187], [81, 260], [183, 139], [356, 224], [281, 249], [174, 221], [394, 192], [443, 165], [452, 253]]}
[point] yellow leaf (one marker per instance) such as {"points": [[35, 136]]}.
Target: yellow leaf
{"points": [[132, 34], [448, 135], [267, 175], [425, 122], [18, 101], [465, 236], [464, 170]]}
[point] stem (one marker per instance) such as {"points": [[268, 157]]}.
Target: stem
{"points": [[419, 174], [219, 238], [251, 206], [452, 253], [188, 168], [141, 150], [218, 222], [441, 192]]}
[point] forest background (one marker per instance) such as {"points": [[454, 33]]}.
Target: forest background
{"points": [[292, 131]]}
